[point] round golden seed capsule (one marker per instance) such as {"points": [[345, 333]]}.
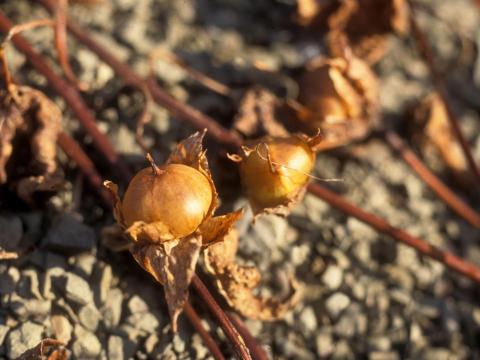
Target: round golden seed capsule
{"points": [[177, 195], [270, 184]]}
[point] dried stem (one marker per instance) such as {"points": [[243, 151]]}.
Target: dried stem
{"points": [[447, 195], [256, 350], [426, 52], [232, 141], [231, 332], [197, 324]]}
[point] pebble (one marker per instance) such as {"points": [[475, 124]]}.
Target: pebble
{"points": [[336, 303], [120, 348], [29, 309], [12, 232], [352, 323], [103, 276], [29, 286], [86, 344], [61, 328], [144, 321], [112, 310], [332, 277], [324, 343], [136, 305], [26, 336], [89, 317], [3, 333], [77, 289], [69, 235], [84, 264], [383, 355], [308, 320]]}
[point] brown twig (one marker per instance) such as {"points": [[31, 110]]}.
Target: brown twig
{"points": [[86, 166], [197, 324], [226, 137], [256, 350], [230, 331], [447, 195], [426, 52], [73, 99]]}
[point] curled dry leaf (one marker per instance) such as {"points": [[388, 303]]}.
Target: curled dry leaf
{"points": [[28, 116], [366, 23], [256, 115], [236, 283], [167, 213], [49, 349], [340, 97], [432, 131], [275, 171]]}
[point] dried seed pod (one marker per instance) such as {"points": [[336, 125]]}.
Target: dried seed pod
{"points": [[275, 171], [340, 97], [161, 194], [29, 118], [432, 131], [167, 212], [366, 23]]}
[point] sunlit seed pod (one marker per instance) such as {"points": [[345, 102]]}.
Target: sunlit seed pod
{"points": [[177, 195], [275, 169]]}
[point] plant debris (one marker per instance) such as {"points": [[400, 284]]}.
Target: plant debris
{"points": [[236, 283]]}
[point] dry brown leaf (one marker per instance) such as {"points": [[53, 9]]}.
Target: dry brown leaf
{"points": [[340, 97], [236, 283], [49, 349], [432, 131], [256, 115], [366, 23], [214, 229], [27, 113], [114, 238], [173, 265]]}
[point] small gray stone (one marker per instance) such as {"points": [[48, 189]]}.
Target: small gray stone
{"points": [[379, 343], [336, 303], [12, 232], [383, 355], [120, 348], [76, 289], [85, 264], [23, 338], [29, 309], [69, 235], [29, 287], [112, 310], [136, 304], [51, 276], [103, 281], [178, 344], [8, 280], [333, 277], [352, 323], [61, 328], [89, 317], [3, 333], [324, 344], [308, 320], [145, 322], [86, 344]]}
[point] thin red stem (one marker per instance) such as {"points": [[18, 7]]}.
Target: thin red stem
{"points": [[241, 350], [425, 51], [207, 339], [443, 192]]}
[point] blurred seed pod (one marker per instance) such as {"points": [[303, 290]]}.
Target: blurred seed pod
{"points": [[275, 170], [339, 96], [432, 132], [366, 23], [29, 127]]}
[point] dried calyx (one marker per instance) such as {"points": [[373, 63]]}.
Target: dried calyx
{"points": [[167, 212], [275, 171]]}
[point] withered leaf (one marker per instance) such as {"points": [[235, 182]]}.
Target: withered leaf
{"points": [[256, 115], [366, 23], [214, 229], [173, 265], [435, 135], [156, 231], [49, 349], [28, 113], [236, 283]]}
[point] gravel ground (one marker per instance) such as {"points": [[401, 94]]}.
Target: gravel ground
{"points": [[366, 296]]}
